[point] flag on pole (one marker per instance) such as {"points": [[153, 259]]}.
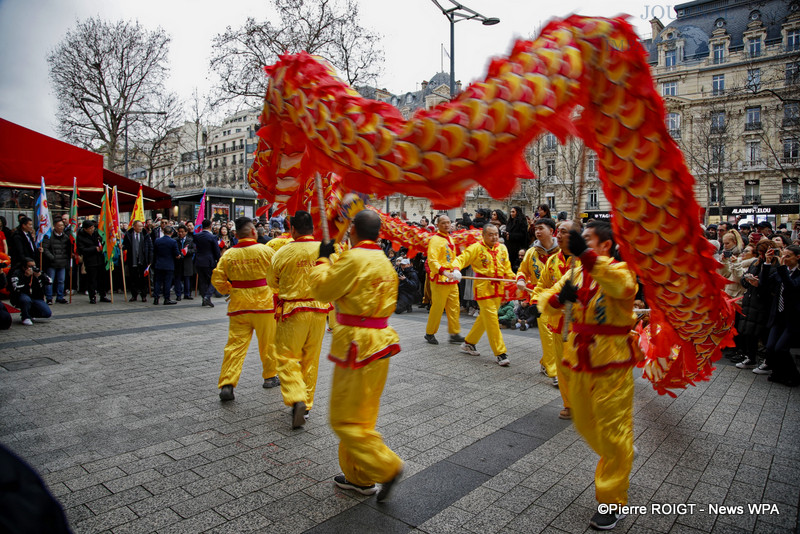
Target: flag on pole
{"points": [[72, 229], [44, 221], [106, 229], [201, 214], [138, 207]]}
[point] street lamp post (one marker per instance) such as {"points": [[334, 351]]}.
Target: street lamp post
{"points": [[454, 14]]}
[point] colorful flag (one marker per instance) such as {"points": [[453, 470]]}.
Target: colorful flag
{"points": [[106, 228], [201, 214], [138, 207], [72, 229], [44, 222]]}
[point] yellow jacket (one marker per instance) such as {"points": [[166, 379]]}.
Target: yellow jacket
{"points": [[602, 319], [487, 263], [557, 266], [241, 273], [277, 242], [290, 278], [441, 255], [363, 286], [533, 264]]}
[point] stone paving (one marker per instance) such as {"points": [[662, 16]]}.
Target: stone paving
{"points": [[116, 406]]}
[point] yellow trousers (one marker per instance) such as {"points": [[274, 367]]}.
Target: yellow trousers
{"points": [[487, 322], [444, 297], [355, 397], [553, 353], [548, 347], [298, 340], [240, 332], [602, 411]]}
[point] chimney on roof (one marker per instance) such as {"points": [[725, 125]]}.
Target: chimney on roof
{"points": [[424, 85], [655, 27], [458, 87]]}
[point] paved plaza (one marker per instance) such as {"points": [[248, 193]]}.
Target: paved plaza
{"points": [[116, 406]]}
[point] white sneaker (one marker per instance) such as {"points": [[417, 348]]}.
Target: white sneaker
{"points": [[27, 322], [555, 381], [468, 348], [762, 369]]}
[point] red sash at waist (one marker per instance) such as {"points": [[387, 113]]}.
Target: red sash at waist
{"points": [[600, 329], [245, 284], [363, 322]]}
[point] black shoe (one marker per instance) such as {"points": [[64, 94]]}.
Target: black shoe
{"points": [[178, 298], [523, 327], [430, 338], [226, 394], [92, 300], [343, 483], [49, 302], [144, 299], [271, 382], [133, 299], [155, 300], [188, 298], [62, 301], [456, 339], [169, 302], [298, 414], [386, 487], [105, 299], [207, 302], [605, 521]]}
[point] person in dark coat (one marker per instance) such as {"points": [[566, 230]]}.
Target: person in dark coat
{"points": [[516, 236], [751, 325], [408, 286], [91, 249], [57, 250], [206, 256], [165, 252], [138, 252], [184, 265], [27, 291], [22, 244], [783, 281]]}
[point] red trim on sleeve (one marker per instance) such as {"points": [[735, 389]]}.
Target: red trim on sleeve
{"points": [[554, 302], [589, 259]]}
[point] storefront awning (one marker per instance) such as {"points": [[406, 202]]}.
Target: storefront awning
{"points": [[27, 156]]}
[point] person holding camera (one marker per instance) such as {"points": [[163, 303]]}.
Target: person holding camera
{"points": [[408, 285], [28, 290]]}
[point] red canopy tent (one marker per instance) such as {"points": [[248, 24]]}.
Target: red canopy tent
{"points": [[27, 156]]}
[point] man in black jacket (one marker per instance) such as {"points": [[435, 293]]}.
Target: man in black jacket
{"points": [[138, 249], [206, 257], [27, 291], [408, 286], [165, 252], [784, 282], [22, 243], [91, 249], [184, 265], [57, 250]]}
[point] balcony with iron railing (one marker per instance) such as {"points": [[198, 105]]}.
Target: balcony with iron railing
{"points": [[753, 163], [751, 199], [790, 160], [790, 121], [675, 133], [790, 198], [592, 206], [750, 126]]}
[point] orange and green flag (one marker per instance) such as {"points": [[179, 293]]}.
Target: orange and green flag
{"points": [[107, 228]]}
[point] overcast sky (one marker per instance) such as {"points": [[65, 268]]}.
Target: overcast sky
{"points": [[413, 32]]}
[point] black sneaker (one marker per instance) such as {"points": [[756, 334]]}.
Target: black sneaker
{"points": [[298, 415], [105, 299], [343, 483], [605, 521], [271, 382], [49, 302], [386, 487], [62, 301], [430, 338], [456, 339], [226, 394], [502, 360]]}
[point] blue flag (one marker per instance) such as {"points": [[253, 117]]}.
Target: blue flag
{"points": [[44, 222]]}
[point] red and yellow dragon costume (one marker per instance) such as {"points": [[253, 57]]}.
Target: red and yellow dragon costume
{"points": [[574, 79]]}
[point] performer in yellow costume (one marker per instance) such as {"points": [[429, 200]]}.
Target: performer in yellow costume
{"points": [[444, 291], [300, 318], [489, 259], [599, 360], [241, 273], [551, 322], [363, 285], [528, 274]]}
